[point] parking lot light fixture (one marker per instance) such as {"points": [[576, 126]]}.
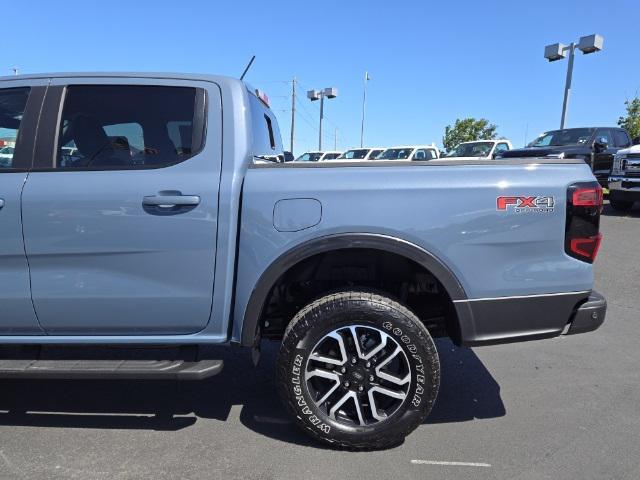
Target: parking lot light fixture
{"points": [[558, 51], [313, 95]]}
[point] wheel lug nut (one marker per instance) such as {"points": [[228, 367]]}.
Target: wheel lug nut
{"points": [[360, 388], [368, 364], [346, 384], [371, 379], [353, 360], [343, 370]]}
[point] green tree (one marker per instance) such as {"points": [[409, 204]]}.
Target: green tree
{"points": [[631, 122], [468, 130]]}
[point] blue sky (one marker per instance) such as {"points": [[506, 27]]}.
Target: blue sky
{"points": [[430, 62]]}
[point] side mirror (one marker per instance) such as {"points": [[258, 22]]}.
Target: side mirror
{"points": [[635, 141], [601, 144]]}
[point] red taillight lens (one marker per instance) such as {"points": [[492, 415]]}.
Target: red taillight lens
{"points": [[586, 247], [588, 197], [582, 231]]}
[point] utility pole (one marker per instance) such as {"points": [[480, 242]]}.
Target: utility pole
{"points": [[364, 104], [293, 111]]}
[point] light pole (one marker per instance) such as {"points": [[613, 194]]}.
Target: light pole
{"points": [[557, 51], [364, 103], [314, 95]]}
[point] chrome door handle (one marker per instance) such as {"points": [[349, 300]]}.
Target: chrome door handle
{"points": [[171, 200], [1, 202]]}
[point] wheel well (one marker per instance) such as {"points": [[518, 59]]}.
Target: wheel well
{"points": [[386, 272]]}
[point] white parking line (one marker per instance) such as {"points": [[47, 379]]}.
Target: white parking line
{"points": [[452, 464]]}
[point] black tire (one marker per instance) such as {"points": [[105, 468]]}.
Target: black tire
{"points": [[373, 313], [620, 205]]}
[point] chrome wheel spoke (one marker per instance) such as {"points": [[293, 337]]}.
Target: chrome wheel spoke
{"points": [[345, 382], [348, 396], [399, 395], [333, 361], [327, 375], [389, 377]]}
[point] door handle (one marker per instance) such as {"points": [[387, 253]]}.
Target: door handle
{"points": [[1, 202], [171, 200]]}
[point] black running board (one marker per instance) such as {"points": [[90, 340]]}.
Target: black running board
{"points": [[110, 369]]}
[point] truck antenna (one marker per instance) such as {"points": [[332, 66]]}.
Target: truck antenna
{"points": [[247, 67]]}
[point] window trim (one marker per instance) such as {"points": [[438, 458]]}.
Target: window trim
{"points": [[46, 151], [272, 137], [23, 154]]}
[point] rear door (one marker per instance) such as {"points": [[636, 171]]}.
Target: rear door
{"points": [[19, 110], [120, 212]]}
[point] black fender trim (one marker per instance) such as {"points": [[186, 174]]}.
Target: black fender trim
{"points": [[443, 274]]}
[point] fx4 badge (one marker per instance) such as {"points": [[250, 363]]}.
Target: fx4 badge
{"points": [[526, 204]]}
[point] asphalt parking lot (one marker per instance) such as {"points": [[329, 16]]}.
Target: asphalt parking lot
{"points": [[565, 408]]}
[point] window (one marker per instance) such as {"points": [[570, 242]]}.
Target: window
{"points": [[603, 135], [126, 126], [267, 145], [621, 138], [500, 148], [12, 104]]}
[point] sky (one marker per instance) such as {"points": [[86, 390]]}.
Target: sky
{"points": [[429, 62]]}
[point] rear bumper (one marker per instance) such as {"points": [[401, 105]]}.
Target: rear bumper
{"points": [[589, 315], [624, 189], [515, 319]]}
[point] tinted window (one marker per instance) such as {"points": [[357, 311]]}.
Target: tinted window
{"points": [[621, 138], [12, 104], [603, 135], [501, 147], [375, 153], [267, 144], [118, 126], [568, 136], [330, 156]]}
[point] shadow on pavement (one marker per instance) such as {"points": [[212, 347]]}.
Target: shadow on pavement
{"points": [[610, 212], [467, 391]]}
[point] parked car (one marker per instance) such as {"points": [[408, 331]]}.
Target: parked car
{"points": [[595, 145], [426, 152], [624, 182], [187, 243], [359, 154], [6, 156], [479, 149], [287, 156], [317, 156]]}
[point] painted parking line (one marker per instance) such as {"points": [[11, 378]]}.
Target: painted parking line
{"points": [[451, 464]]}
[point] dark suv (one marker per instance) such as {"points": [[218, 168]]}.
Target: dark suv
{"points": [[595, 145]]}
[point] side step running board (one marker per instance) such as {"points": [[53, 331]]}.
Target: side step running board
{"points": [[110, 369]]}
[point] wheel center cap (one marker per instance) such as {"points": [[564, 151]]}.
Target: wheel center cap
{"points": [[357, 375]]}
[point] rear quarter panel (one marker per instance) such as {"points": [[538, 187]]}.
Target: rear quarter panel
{"points": [[447, 209]]}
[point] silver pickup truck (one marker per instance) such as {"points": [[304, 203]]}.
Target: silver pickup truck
{"points": [[142, 210]]}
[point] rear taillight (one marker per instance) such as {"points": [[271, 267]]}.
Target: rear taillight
{"points": [[582, 231]]}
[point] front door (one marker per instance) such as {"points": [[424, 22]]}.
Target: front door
{"points": [[120, 214], [19, 107]]}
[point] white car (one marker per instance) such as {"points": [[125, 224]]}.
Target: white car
{"points": [[317, 156], [358, 155], [6, 156], [411, 152], [479, 150]]}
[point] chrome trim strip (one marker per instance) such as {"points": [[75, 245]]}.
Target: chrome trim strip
{"points": [[522, 296]]}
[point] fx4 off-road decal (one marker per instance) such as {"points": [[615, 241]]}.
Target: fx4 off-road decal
{"points": [[540, 204]]}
